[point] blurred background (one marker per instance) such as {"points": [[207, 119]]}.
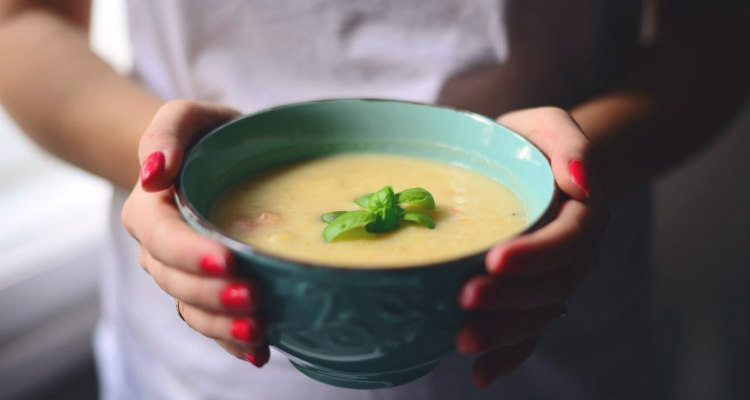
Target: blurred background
{"points": [[48, 273]]}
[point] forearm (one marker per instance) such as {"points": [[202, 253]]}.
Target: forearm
{"points": [[67, 99], [675, 101]]}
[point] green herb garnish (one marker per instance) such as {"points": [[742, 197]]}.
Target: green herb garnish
{"points": [[328, 217], [381, 212], [422, 219]]}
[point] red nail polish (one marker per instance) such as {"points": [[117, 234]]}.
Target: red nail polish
{"points": [[482, 378], [236, 295], [468, 297], [493, 260], [579, 176], [260, 357], [213, 264], [468, 343], [152, 167], [505, 261], [247, 330]]}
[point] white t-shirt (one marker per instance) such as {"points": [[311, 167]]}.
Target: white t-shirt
{"points": [[254, 54]]}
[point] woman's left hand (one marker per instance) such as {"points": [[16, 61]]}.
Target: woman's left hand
{"points": [[529, 276]]}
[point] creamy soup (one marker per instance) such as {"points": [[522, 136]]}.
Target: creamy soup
{"points": [[279, 211]]}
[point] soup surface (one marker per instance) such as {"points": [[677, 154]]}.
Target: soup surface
{"points": [[279, 211]]}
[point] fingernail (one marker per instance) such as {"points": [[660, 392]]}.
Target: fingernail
{"points": [[493, 260], [481, 378], [579, 176], [213, 264], [259, 358], [468, 298], [478, 295], [246, 330], [152, 167], [468, 344], [236, 295], [503, 261]]}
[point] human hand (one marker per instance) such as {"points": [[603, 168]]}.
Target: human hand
{"points": [[189, 267], [529, 276]]}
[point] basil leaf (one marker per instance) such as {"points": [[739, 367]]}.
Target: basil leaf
{"points": [[362, 200], [383, 198], [387, 219], [381, 213], [347, 222], [328, 217], [422, 219], [417, 197]]}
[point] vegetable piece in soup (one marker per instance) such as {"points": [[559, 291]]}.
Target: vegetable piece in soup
{"points": [[279, 211]]}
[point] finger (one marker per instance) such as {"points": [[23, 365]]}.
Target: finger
{"points": [[502, 330], [155, 223], [487, 292], [245, 330], [210, 293], [233, 348], [501, 361], [258, 356], [576, 227], [172, 129], [142, 258], [559, 137]]}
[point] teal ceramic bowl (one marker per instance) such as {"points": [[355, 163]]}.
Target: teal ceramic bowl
{"points": [[359, 328]]}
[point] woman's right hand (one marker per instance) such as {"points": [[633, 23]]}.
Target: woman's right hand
{"points": [[193, 269]]}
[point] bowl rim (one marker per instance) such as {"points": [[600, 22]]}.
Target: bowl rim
{"points": [[189, 212]]}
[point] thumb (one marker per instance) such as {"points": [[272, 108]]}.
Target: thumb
{"points": [[176, 124], [560, 138]]}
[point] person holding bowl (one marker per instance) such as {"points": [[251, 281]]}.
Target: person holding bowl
{"points": [[619, 97]]}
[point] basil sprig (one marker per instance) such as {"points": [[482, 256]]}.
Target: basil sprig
{"points": [[382, 212]]}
